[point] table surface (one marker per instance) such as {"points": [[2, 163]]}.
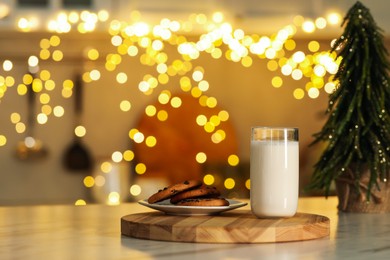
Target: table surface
{"points": [[93, 232]]}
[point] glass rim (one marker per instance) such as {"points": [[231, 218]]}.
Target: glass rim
{"points": [[274, 128]]}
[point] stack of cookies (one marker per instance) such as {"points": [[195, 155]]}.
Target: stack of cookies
{"points": [[190, 193]]}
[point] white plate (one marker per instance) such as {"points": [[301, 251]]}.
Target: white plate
{"points": [[171, 209]]}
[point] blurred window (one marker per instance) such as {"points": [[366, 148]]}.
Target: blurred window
{"points": [[33, 3], [76, 3]]}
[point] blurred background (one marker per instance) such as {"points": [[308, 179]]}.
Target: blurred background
{"points": [[108, 101]]}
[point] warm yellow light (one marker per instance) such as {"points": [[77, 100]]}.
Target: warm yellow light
{"points": [[33, 61], [162, 58], [121, 77], [128, 155], [140, 168], [208, 179], [24, 24], [106, 167], [116, 40], [162, 68], [229, 183], [44, 98], [270, 53], [308, 26], [334, 18], [197, 75], [22, 89], [246, 61], [46, 109], [73, 17], [211, 102], [139, 137], [203, 100], [132, 132], [100, 181], [314, 46], [330, 87], [9, 82], [114, 198], [319, 70], [218, 17], [216, 53], [89, 181], [201, 157], [248, 184], [20, 127], [162, 115], [132, 51], [163, 78], [94, 74], [93, 54], [57, 55], [176, 102], [42, 118], [298, 56], [151, 141], [80, 131], [44, 54], [7, 65], [313, 93], [209, 127], [297, 74], [37, 85], [157, 45], [215, 120], [116, 156], [135, 190], [125, 105], [30, 142], [143, 86], [4, 10], [80, 202], [15, 117], [218, 136], [68, 84], [103, 15], [299, 93], [223, 115], [320, 22], [201, 120], [164, 97], [277, 82], [58, 111], [3, 140], [286, 69], [290, 44], [150, 110], [298, 20], [233, 160], [141, 29], [203, 85], [185, 84]]}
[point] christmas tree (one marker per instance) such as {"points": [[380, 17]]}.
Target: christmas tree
{"points": [[356, 132]]}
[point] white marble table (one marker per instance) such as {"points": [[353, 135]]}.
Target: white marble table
{"points": [[93, 232]]}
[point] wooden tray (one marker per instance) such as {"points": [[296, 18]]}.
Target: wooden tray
{"points": [[238, 226]]}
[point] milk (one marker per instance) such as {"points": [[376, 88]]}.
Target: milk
{"points": [[274, 176]]}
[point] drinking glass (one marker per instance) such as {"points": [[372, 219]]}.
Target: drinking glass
{"points": [[274, 171]]}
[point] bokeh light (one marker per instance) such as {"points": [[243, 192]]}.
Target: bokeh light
{"points": [[147, 43]]}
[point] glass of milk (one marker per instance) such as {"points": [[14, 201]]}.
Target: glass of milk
{"points": [[274, 171]]}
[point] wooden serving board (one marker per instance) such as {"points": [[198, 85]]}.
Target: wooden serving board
{"points": [[239, 226]]}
